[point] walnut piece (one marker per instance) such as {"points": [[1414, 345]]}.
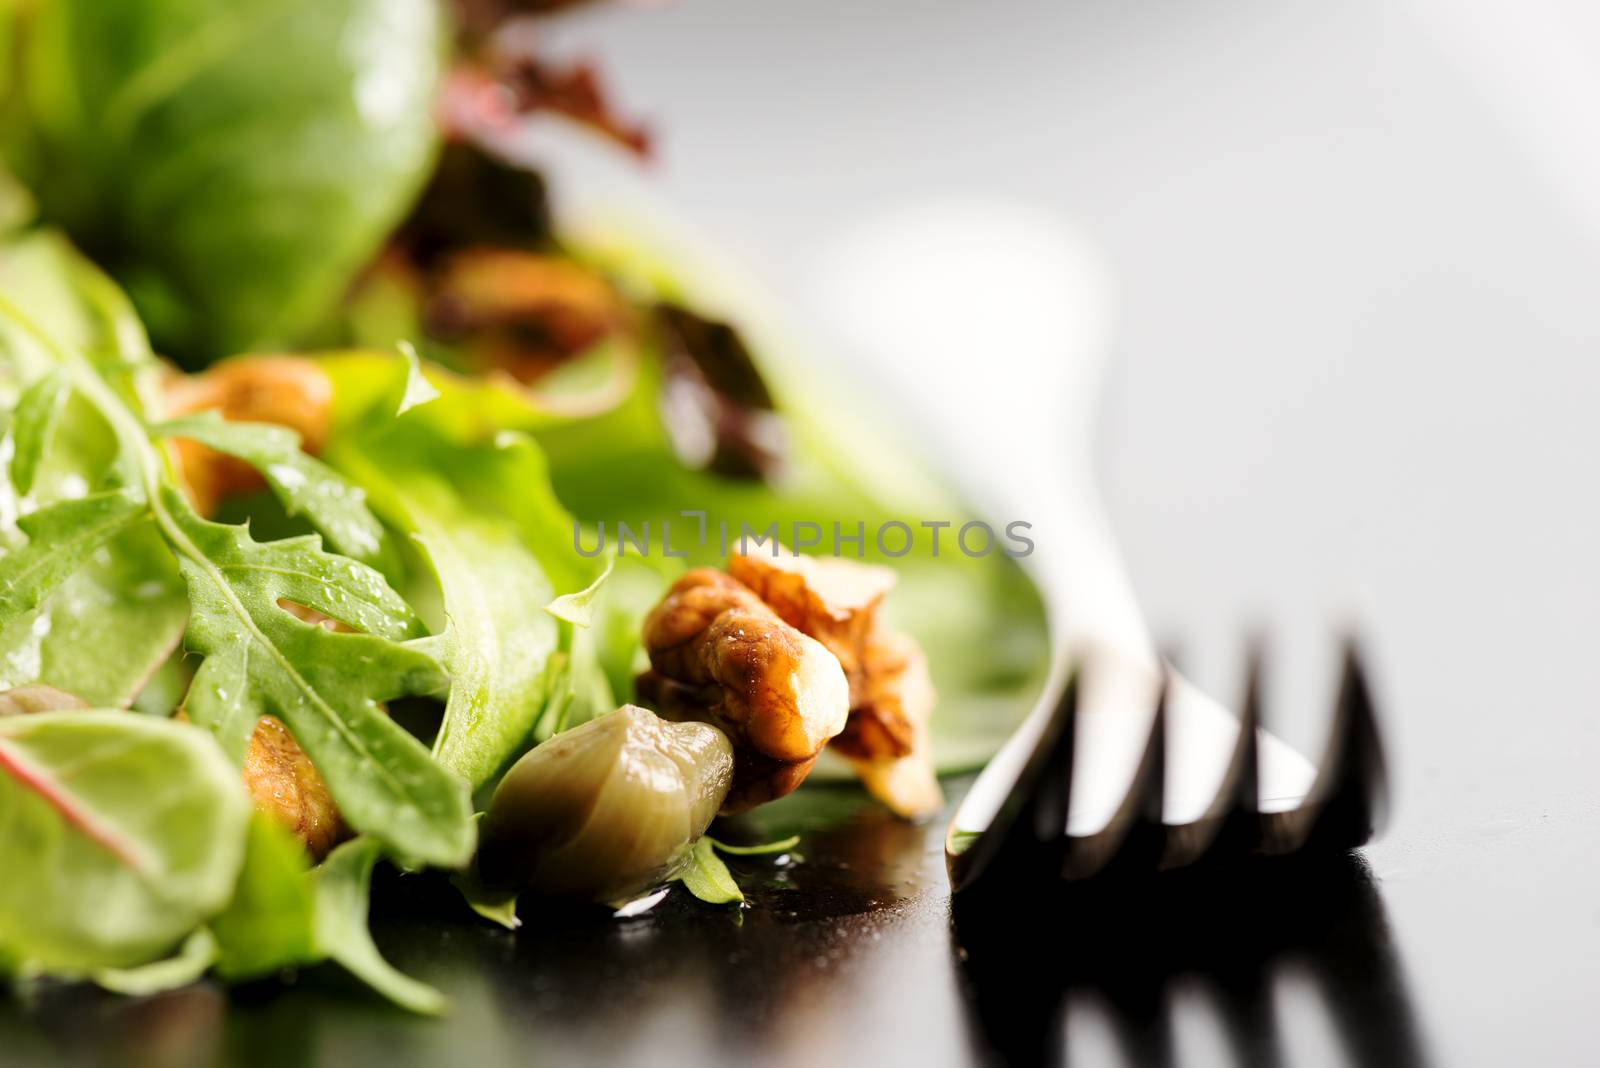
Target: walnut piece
{"points": [[721, 656], [886, 739], [891, 694], [834, 601], [284, 785]]}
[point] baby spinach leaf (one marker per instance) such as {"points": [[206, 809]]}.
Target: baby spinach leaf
{"points": [[60, 539], [325, 686], [197, 953], [234, 200], [270, 923], [123, 833], [343, 883], [32, 422], [304, 485]]}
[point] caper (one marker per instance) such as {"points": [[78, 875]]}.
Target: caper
{"points": [[607, 809]]}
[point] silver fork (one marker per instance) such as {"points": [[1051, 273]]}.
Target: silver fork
{"points": [[1123, 765]]}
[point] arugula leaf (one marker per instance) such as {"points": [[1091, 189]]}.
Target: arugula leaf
{"points": [[123, 833], [198, 952], [478, 505], [325, 686], [60, 539], [342, 883], [270, 923], [234, 201], [496, 645], [32, 422], [108, 626], [261, 660], [302, 483], [285, 915], [708, 878]]}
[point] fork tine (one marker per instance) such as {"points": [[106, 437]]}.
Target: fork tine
{"points": [[1231, 824], [1022, 836], [1013, 822], [1051, 798], [1247, 790], [1132, 839], [1348, 800]]}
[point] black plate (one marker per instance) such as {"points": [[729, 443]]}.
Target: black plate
{"points": [[849, 955]]}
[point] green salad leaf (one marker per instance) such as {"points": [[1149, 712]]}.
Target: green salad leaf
{"points": [[194, 957], [34, 420], [477, 504], [303, 485], [782, 845], [708, 878], [259, 659], [497, 643], [579, 608], [123, 833], [107, 628], [285, 914], [110, 624], [61, 539], [342, 891], [270, 923], [231, 161], [418, 390]]}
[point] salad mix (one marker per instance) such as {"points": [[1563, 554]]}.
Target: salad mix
{"points": [[313, 420]]}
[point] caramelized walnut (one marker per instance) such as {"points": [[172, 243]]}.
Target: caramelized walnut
{"points": [[834, 601], [721, 656], [891, 694], [887, 739], [284, 785]]}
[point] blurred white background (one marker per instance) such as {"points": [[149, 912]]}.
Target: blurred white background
{"points": [[1356, 250]]}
